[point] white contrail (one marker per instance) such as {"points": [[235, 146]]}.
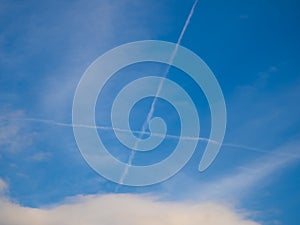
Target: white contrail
{"points": [[171, 60], [188, 138], [160, 86], [141, 133]]}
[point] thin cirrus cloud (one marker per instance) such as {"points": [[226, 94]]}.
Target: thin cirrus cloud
{"points": [[239, 184], [13, 135], [67, 43], [50, 46], [241, 181], [107, 24]]}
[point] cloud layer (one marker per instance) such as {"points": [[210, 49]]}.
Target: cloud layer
{"points": [[123, 209]]}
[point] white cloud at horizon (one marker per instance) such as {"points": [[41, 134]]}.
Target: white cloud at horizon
{"points": [[148, 209], [127, 209]]}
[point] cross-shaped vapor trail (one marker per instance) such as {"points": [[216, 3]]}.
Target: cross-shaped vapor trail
{"points": [[160, 86]]}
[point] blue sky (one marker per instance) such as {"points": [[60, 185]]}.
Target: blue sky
{"points": [[251, 46]]}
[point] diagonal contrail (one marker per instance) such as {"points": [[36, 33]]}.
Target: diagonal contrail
{"points": [[171, 60], [160, 86]]}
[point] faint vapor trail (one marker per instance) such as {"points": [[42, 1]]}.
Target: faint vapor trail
{"points": [[141, 133], [52, 122], [160, 86], [171, 60]]}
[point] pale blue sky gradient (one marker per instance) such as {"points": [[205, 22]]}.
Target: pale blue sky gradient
{"points": [[251, 46]]}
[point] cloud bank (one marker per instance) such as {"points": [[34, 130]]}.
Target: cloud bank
{"points": [[126, 209]]}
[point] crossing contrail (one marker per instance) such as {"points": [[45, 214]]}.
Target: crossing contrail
{"points": [[188, 138], [141, 133], [160, 86]]}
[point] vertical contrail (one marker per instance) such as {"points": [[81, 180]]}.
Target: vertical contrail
{"points": [[160, 86]]}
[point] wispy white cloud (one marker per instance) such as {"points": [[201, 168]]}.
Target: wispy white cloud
{"points": [[40, 156], [243, 180], [77, 32], [271, 115], [236, 182], [3, 186], [13, 136], [105, 25]]}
